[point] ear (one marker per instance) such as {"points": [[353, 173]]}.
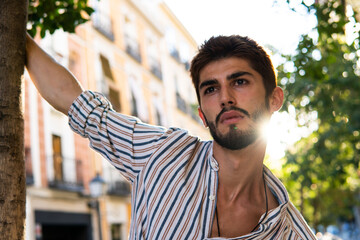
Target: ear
{"points": [[201, 115], [276, 99]]}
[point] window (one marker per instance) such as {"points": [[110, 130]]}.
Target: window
{"points": [[116, 230], [106, 67], [171, 43], [153, 59], [108, 84], [114, 97], [158, 120], [184, 56], [139, 106], [67, 171], [170, 38], [134, 111], [158, 113], [57, 158], [101, 18], [131, 39], [28, 166], [79, 172]]}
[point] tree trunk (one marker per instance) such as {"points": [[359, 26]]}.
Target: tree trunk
{"points": [[12, 168]]}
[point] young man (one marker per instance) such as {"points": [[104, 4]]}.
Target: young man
{"points": [[185, 188]]}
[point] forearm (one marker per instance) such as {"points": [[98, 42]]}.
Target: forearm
{"points": [[54, 82]]}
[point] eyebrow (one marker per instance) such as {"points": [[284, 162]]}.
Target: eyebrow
{"points": [[207, 83], [237, 74], [229, 77]]}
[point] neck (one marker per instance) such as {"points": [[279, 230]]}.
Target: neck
{"points": [[240, 170]]}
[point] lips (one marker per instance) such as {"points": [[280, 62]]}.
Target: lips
{"points": [[230, 117]]}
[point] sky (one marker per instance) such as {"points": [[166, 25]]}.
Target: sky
{"points": [[268, 23]]}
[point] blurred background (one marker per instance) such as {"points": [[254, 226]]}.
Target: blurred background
{"points": [[138, 53]]}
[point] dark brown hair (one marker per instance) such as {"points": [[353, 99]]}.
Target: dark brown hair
{"points": [[220, 47]]}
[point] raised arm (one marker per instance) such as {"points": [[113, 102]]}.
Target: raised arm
{"points": [[54, 82]]}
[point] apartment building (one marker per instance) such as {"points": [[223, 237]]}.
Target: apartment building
{"points": [[136, 53]]}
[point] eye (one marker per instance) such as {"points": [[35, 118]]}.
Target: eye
{"points": [[209, 90], [240, 81]]}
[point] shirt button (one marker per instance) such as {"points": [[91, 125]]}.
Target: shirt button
{"points": [[212, 197]]}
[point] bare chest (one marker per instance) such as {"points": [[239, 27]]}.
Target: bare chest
{"points": [[234, 221]]}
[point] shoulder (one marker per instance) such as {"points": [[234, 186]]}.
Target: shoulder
{"points": [[299, 225]]}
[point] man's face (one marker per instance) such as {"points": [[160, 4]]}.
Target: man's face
{"points": [[232, 102]]}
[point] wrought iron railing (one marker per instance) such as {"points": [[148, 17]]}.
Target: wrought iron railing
{"points": [[119, 188], [132, 48], [186, 108], [181, 103], [156, 70], [102, 23], [59, 181]]}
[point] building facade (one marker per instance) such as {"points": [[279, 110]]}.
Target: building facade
{"points": [[136, 53]]}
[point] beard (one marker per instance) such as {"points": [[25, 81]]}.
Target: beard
{"points": [[236, 139]]}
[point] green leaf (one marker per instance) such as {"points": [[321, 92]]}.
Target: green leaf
{"points": [[50, 15], [325, 164]]}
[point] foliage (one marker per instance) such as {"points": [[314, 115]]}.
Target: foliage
{"points": [[322, 84], [50, 15]]}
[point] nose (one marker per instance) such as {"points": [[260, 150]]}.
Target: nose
{"points": [[227, 98]]}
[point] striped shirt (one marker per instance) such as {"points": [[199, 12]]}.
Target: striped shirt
{"points": [[174, 176]]}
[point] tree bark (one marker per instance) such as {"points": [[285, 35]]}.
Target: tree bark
{"points": [[12, 168]]}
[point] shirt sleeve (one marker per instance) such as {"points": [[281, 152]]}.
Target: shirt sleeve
{"points": [[123, 140]]}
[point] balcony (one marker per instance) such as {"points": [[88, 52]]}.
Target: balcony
{"points": [[102, 23], [66, 186], [155, 68], [181, 103], [119, 188], [132, 47], [175, 54], [133, 52], [186, 108], [62, 181]]}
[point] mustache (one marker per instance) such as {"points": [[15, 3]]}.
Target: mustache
{"points": [[231, 108]]}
